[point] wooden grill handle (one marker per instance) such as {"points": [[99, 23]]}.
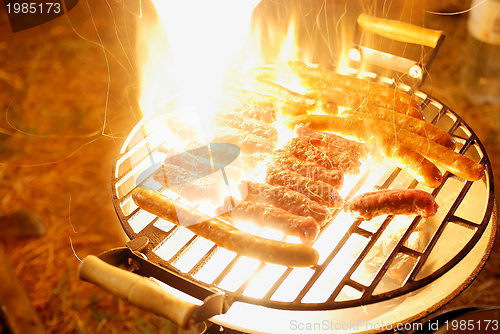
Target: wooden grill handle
{"points": [[138, 290], [400, 31]]}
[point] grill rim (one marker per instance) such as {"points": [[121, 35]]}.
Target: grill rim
{"points": [[157, 236]]}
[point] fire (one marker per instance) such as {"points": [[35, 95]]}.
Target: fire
{"points": [[188, 51]]}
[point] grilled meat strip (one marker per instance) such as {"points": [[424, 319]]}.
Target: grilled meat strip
{"points": [[332, 158], [195, 161], [284, 198], [248, 105], [248, 142], [170, 175], [392, 202], [318, 191], [330, 141], [186, 183], [292, 103], [225, 235], [306, 228], [284, 159], [253, 126]]}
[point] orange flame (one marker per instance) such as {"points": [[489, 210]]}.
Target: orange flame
{"points": [[191, 46]]}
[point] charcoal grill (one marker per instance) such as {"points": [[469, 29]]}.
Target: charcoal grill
{"points": [[371, 276], [359, 273]]}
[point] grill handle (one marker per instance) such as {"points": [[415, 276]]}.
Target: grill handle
{"points": [[400, 31], [140, 291]]}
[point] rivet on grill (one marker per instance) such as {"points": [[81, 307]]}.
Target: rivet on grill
{"points": [[133, 265]]}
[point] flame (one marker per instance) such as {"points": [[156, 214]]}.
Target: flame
{"points": [[191, 46], [288, 51]]}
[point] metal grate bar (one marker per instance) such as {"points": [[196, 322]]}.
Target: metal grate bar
{"points": [[408, 251], [203, 261], [277, 284], [361, 257], [382, 271], [353, 284], [226, 271], [439, 231], [463, 222], [183, 249], [245, 284], [327, 261]]}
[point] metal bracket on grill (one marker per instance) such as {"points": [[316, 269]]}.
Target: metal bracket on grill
{"points": [[119, 271], [413, 72]]}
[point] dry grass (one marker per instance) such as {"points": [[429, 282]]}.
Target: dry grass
{"points": [[65, 110], [61, 134]]}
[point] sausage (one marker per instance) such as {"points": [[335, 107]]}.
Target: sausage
{"points": [[364, 130], [225, 235], [420, 127], [263, 215], [352, 92], [294, 102], [392, 202], [414, 163]]}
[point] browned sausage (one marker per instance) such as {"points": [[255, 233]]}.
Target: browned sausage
{"points": [[392, 202], [414, 163], [352, 92], [420, 127]]}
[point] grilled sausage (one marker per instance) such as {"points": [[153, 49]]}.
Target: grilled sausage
{"points": [[225, 235], [392, 202], [352, 92], [362, 129], [420, 127], [414, 163]]}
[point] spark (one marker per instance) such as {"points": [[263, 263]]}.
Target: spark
{"points": [[456, 13], [73, 249]]}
